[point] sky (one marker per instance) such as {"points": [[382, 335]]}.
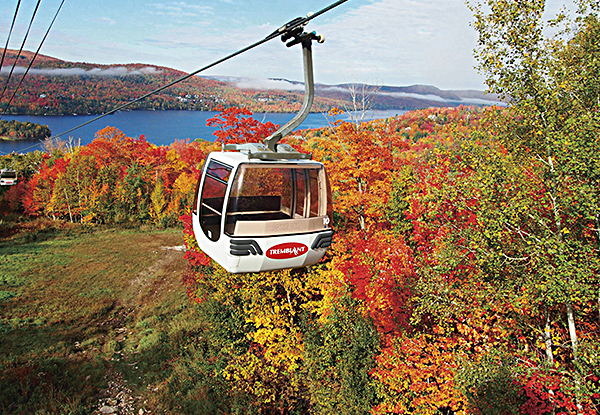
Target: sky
{"points": [[383, 42]]}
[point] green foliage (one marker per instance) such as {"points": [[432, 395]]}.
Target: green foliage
{"points": [[15, 130], [398, 203], [551, 131], [133, 199], [158, 202], [491, 385], [6, 295], [339, 358]]}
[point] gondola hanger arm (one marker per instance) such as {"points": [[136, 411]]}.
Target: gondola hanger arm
{"points": [[298, 36]]}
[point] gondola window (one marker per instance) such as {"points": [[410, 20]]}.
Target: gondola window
{"points": [[213, 197]]}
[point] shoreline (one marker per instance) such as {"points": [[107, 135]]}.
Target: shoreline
{"points": [[17, 140]]}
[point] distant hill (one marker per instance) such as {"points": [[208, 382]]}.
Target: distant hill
{"points": [[384, 97], [57, 87], [408, 97]]}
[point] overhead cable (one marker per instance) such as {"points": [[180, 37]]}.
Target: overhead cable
{"points": [[288, 27], [12, 25], [21, 49], [32, 59]]}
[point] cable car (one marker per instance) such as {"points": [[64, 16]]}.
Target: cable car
{"points": [[262, 207], [8, 177]]}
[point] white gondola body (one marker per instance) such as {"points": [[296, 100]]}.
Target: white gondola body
{"points": [[8, 177], [261, 215]]}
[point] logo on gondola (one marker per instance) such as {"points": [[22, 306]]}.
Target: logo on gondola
{"points": [[287, 250]]}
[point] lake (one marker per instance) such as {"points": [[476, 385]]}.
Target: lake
{"points": [[159, 127]]}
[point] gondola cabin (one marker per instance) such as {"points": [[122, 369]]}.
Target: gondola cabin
{"points": [[257, 213], [8, 177]]}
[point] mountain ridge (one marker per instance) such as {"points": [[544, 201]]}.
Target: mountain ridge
{"points": [[416, 96], [58, 87]]}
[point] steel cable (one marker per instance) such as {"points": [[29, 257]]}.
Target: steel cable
{"points": [[12, 25], [32, 59], [288, 27], [21, 49]]}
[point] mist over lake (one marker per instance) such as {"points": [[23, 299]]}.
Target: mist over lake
{"points": [[159, 127]]}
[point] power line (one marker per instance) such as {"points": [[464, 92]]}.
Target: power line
{"points": [[21, 49], [32, 60]]}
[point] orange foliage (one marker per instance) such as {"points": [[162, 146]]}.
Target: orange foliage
{"points": [[417, 201]]}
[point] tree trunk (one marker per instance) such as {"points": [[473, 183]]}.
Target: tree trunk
{"points": [[68, 206], [548, 339], [572, 331]]}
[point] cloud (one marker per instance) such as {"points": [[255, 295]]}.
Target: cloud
{"points": [[150, 70], [202, 45], [436, 98], [268, 84], [116, 71], [106, 20], [428, 97], [180, 9], [403, 42], [396, 42], [392, 42]]}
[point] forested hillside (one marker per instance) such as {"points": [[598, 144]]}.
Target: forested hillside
{"points": [[55, 87], [58, 87]]}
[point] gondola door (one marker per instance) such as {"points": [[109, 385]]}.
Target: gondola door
{"points": [[207, 217]]}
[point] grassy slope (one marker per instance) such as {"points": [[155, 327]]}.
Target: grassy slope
{"points": [[92, 318]]}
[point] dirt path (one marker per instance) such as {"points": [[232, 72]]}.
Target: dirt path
{"points": [[162, 277]]}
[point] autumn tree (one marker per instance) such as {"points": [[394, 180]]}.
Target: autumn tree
{"points": [[552, 84], [235, 125], [361, 161]]}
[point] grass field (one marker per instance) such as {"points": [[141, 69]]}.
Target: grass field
{"points": [[98, 319]]}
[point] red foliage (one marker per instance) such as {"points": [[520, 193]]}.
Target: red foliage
{"points": [[437, 218], [236, 126], [191, 153], [380, 269], [14, 196], [194, 256], [550, 392]]}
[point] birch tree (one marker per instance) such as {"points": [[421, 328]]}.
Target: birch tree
{"points": [[549, 74]]}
